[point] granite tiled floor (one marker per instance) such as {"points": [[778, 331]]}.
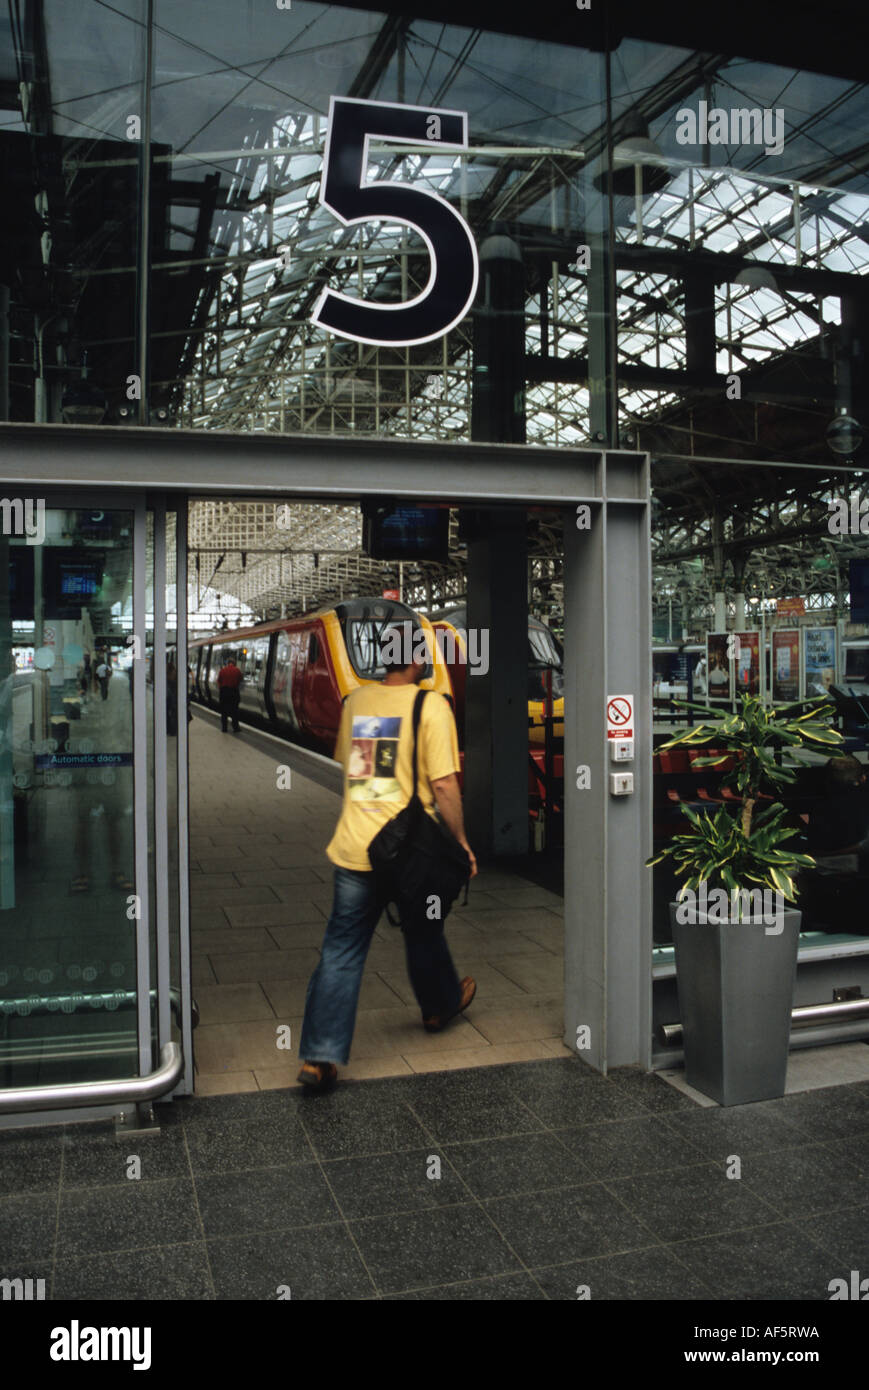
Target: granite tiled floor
{"points": [[260, 896], [510, 1182]]}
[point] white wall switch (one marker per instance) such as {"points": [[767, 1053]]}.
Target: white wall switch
{"points": [[621, 783]]}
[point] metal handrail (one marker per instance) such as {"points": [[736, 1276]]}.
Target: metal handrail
{"points": [[130, 1090], [803, 1016]]}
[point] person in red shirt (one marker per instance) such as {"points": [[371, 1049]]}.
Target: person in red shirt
{"points": [[229, 679]]}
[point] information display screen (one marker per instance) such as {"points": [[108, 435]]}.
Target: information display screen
{"points": [[406, 533], [76, 579], [71, 579]]}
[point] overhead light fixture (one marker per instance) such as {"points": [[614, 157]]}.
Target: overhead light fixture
{"points": [[844, 434], [633, 152], [756, 277], [83, 403]]}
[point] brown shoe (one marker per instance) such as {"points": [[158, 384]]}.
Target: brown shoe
{"points": [[437, 1022], [318, 1076]]}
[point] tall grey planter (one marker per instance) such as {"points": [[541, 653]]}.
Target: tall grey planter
{"points": [[736, 988]]}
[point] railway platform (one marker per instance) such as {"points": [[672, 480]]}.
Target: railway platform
{"points": [[260, 896]]}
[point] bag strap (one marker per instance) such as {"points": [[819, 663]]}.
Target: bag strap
{"points": [[417, 715]]}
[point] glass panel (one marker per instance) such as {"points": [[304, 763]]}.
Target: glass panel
{"points": [[68, 966], [799, 636], [363, 647], [150, 707], [173, 673], [76, 356]]}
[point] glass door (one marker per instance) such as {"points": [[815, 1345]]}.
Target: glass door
{"points": [[78, 917]]}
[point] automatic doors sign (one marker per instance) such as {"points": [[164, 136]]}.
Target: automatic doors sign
{"points": [[64, 760], [453, 266], [620, 716]]}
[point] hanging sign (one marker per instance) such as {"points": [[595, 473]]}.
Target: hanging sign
{"points": [[453, 265]]}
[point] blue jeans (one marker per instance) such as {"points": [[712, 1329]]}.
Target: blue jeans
{"points": [[333, 990]]}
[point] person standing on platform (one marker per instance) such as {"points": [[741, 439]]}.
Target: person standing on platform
{"points": [[375, 745], [104, 675], [229, 679]]}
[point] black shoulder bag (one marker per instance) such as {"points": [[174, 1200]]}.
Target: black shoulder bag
{"points": [[422, 867]]}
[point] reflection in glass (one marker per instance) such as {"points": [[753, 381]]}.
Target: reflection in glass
{"points": [[67, 965]]}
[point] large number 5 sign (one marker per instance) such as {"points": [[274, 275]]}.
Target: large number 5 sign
{"points": [[453, 270]]}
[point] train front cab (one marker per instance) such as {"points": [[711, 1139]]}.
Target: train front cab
{"points": [[296, 672]]}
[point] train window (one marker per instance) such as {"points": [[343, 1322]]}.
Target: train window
{"points": [[363, 648], [313, 649], [544, 647]]}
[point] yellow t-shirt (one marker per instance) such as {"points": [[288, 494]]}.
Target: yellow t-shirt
{"points": [[375, 745]]}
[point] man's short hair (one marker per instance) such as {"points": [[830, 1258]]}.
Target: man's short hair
{"points": [[844, 773], [399, 641]]}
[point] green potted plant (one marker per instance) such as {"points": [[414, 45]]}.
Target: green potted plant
{"points": [[735, 939]]}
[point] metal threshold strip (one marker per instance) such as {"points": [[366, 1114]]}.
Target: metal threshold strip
{"points": [[127, 1091], [804, 1016]]}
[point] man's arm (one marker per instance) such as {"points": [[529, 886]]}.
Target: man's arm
{"points": [[448, 799], [342, 742]]}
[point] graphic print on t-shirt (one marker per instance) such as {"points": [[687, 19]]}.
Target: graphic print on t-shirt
{"points": [[373, 758]]}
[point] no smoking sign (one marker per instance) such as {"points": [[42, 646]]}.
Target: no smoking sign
{"points": [[620, 716]]}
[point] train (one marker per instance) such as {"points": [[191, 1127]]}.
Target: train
{"points": [[545, 670], [297, 671]]}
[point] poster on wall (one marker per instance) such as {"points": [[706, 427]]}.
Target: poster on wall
{"points": [[819, 660], [786, 664], [718, 675], [746, 662]]}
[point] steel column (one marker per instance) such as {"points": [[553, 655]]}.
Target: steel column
{"points": [[607, 890]]}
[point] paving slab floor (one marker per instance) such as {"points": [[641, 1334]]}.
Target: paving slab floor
{"points": [[534, 1180], [261, 892]]}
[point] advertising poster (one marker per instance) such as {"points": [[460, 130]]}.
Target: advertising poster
{"points": [[819, 660], [718, 681], [786, 664], [746, 661]]}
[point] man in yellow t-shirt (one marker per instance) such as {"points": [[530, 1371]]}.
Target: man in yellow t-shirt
{"points": [[375, 745]]}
